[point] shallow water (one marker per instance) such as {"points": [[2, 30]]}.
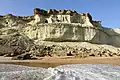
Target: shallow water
{"points": [[64, 72]]}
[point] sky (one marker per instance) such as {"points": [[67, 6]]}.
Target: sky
{"points": [[107, 11]]}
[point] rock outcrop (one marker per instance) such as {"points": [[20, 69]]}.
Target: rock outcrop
{"points": [[23, 34]]}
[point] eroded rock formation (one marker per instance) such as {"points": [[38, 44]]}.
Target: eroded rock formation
{"points": [[50, 16], [25, 34], [61, 16]]}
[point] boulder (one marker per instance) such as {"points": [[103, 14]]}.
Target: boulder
{"points": [[22, 57], [37, 11], [62, 12], [55, 12], [92, 54], [75, 12], [69, 54], [69, 12], [50, 11], [40, 11], [89, 16]]}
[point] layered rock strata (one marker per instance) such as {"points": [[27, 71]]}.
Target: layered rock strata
{"points": [[24, 34]]}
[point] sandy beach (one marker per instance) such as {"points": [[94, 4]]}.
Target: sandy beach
{"points": [[56, 61]]}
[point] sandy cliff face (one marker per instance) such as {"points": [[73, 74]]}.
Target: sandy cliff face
{"points": [[62, 32], [82, 31], [55, 26], [73, 32]]}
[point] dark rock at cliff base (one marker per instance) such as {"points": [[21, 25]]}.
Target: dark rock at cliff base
{"points": [[22, 57]]}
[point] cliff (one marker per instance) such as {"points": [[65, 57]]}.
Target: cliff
{"points": [[55, 26]]}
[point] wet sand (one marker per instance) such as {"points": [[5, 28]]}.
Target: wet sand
{"points": [[56, 61]]}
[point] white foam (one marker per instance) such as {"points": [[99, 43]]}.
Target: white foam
{"points": [[65, 72]]}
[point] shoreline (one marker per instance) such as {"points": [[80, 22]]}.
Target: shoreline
{"points": [[46, 62]]}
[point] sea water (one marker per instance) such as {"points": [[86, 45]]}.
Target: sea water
{"points": [[63, 72]]}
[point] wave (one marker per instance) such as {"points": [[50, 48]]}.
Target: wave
{"points": [[63, 72]]}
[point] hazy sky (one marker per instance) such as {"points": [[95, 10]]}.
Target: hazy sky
{"points": [[108, 11]]}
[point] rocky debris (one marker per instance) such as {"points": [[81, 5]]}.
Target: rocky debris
{"points": [[45, 51], [16, 50], [22, 57], [69, 54], [42, 51], [81, 52], [13, 43], [97, 53]]}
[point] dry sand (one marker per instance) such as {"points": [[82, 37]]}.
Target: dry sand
{"points": [[55, 61]]}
